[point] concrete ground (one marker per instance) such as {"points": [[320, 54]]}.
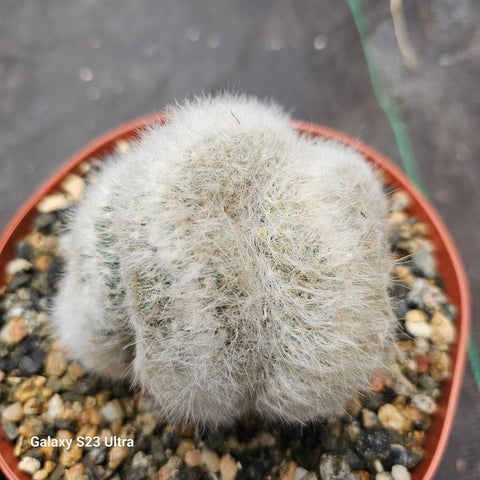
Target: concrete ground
{"points": [[71, 70]]}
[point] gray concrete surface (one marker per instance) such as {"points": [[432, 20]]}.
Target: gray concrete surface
{"points": [[71, 70]]}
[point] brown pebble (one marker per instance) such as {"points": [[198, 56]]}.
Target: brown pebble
{"points": [[55, 364], [439, 365], [75, 371], [210, 460], [193, 458], [354, 406], [165, 473], [228, 467], [406, 345], [32, 406], [31, 426], [14, 331], [48, 451], [88, 431], [21, 446], [416, 315], [396, 217], [75, 472], [422, 363], [391, 418], [361, 475], [287, 472], [404, 274], [265, 439], [41, 474], [377, 383], [94, 416], [116, 456], [184, 445], [420, 229], [49, 466], [188, 430], [443, 331], [414, 414], [69, 456], [42, 262]]}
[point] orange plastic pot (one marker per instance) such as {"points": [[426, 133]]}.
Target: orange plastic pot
{"points": [[449, 267]]}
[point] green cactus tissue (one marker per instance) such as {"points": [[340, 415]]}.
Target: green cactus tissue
{"points": [[229, 265]]}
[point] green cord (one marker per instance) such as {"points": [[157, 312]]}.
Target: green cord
{"points": [[403, 141], [474, 357], [386, 103]]}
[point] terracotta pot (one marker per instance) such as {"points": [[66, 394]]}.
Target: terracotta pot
{"points": [[449, 267]]}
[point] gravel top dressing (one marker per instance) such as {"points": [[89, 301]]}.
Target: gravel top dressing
{"points": [[67, 423]]}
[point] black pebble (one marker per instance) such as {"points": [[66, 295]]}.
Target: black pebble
{"points": [[142, 444], [353, 460], [400, 308], [55, 271], [373, 444], [39, 302], [399, 455], [44, 222], [171, 439], [214, 438], [186, 474], [65, 424], [87, 385], [23, 250], [28, 366], [49, 431], [258, 463], [136, 473], [21, 279]]}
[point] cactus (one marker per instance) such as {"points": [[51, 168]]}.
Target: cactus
{"points": [[229, 265]]}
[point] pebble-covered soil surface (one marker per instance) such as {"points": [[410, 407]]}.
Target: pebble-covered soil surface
{"points": [[45, 395]]}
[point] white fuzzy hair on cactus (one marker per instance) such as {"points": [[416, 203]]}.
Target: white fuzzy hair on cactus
{"points": [[229, 266]]}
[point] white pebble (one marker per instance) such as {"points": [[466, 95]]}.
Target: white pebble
{"points": [[112, 411], [74, 185], [51, 203], [383, 476], [399, 472], [418, 329], [18, 265], [29, 465], [424, 403], [55, 407], [377, 465], [13, 412], [300, 473]]}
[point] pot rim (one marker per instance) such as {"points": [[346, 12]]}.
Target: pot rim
{"points": [[456, 284]]}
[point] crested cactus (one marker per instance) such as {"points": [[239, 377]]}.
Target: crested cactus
{"points": [[229, 265]]}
